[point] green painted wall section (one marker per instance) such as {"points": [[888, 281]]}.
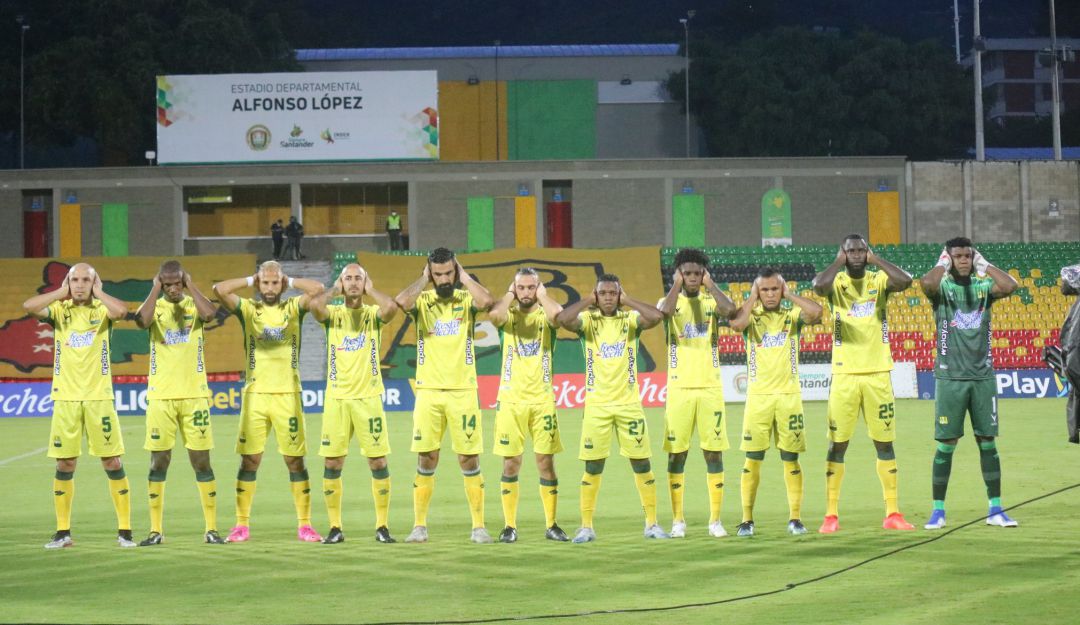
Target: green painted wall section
{"points": [[688, 220], [114, 229], [481, 223], [551, 119]]}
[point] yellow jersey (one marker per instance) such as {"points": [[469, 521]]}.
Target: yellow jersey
{"points": [[860, 326], [444, 340], [272, 345], [352, 352], [177, 368], [81, 336], [772, 351], [611, 355], [528, 346], [693, 357]]}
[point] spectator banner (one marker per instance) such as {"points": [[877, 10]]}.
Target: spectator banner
{"points": [[26, 344], [316, 116]]}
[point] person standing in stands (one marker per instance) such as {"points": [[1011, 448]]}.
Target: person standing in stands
{"points": [[277, 234], [294, 232], [393, 230]]}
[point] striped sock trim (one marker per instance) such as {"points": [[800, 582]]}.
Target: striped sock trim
{"points": [[204, 476], [245, 476], [118, 474], [298, 476], [156, 476], [64, 476]]}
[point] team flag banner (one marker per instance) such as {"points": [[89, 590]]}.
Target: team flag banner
{"points": [[288, 117], [568, 274], [26, 344]]}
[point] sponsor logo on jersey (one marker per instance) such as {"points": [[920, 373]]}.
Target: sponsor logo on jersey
{"points": [[967, 321], [612, 350], [862, 309], [81, 339], [775, 339], [271, 333], [695, 331], [526, 350], [446, 328], [176, 337], [353, 343]]}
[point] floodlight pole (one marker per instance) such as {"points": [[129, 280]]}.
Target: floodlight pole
{"points": [[685, 21], [977, 45], [1055, 85], [23, 27]]}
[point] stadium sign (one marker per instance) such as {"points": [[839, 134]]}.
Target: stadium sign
{"points": [[288, 117], [31, 399], [1011, 383]]}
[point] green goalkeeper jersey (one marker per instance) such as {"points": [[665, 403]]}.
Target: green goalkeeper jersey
{"points": [[962, 318]]}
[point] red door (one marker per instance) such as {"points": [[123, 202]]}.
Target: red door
{"points": [[35, 234], [559, 225]]}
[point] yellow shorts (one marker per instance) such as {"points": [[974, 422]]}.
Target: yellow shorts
{"points": [[191, 416], [774, 417], [628, 420], [872, 392], [689, 406], [364, 417], [512, 421], [97, 417], [261, 411], [456, 410]]}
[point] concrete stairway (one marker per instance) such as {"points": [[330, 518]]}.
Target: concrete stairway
{"points": [[313, 338]]}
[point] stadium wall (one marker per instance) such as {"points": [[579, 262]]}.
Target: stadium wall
{"points": [[615, 202]]}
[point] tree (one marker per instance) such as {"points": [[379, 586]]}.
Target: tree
{"points": [[91, 70], [793, 92]]}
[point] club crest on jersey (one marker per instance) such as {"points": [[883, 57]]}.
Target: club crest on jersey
{"points": [[776, 339], [446, 328], [612, 350], [526, 350], [81, 339], [271, 333], [353, 343], [863, 309], [967, 321], [177, 337], [695, 331]]}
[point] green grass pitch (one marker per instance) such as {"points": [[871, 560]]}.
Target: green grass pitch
{"points": [[974, 574]]}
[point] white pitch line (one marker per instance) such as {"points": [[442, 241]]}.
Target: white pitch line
{"points": [[21, 456]]}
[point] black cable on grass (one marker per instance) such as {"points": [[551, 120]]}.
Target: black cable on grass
{"points": [[705, 604]]}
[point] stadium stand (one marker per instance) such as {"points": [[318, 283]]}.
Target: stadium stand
{"points": [[1023, 323]]}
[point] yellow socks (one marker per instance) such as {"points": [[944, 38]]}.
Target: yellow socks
{"points": [[245, 495], [509, 493], [751, 479], [715, 483], [380, 492], [590, 488], [676, 488], [63, 493], [207, 498], [474, 492], [793, 480], [301, 493], [646, 488], [333, 494], [886, 470], [156, 490], [120, 490], [423, 487], [834, 477], [549, 497]]}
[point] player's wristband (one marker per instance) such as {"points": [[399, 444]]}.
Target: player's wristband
{"points": [[290, 283], [250, 281]]}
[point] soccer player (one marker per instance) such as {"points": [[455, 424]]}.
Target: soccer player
{"points": [[177, 392], [525, 317], [695, 397], [861, 362], [609, 338], [774, 409], [962, 288], [354, 388], [271, 395], [82, 316], [445, 319]]}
